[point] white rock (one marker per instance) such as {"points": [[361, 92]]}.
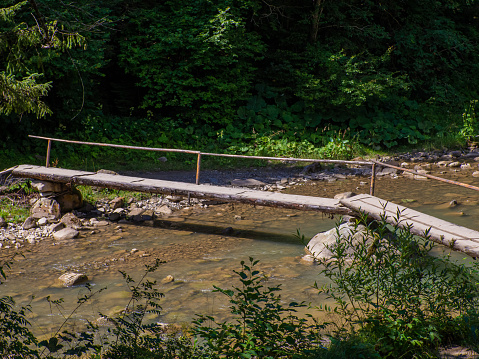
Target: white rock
{"points": [[319, 245], [42, 221], [69, 279], [168, 279], [454, 164], [65, 233]]}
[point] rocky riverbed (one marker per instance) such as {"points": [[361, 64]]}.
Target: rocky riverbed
{"points": [[156, 210]]}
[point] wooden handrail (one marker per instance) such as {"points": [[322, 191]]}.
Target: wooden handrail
{"points": [[373, 163]]}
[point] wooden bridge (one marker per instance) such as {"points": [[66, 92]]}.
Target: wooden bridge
{"points": [[443, 232]]}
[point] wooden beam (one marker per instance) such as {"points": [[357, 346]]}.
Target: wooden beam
{"points": [[137, 184], [451, 235]]}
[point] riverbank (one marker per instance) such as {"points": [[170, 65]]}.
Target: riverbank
{"points": [[155, 210]]}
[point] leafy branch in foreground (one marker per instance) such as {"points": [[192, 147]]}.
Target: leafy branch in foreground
{"points": [[262, 327], [396, 295]]}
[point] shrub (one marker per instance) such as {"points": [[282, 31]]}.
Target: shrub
{"points": [[397, 296], [262, 326]]}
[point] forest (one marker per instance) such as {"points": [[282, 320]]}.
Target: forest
{"points": [[238, 75]]}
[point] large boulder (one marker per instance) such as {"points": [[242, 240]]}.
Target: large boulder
{"points": [[46, 207], [47, 186], [321, 244], [70, 200]]}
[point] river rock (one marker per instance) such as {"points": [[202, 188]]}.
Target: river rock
{"points": [[71, 200], [46, 207], [47, 186], [164, 210], [475, 174], [344, 195], [55, 227], [168, 279], [72, 221], [114, 217], [387, 171], [249, 182], [319, 245], [174, 199], [454, 164], [42, 221], [30, 223], [116, 203], [136, 212], [71, 278], [65, 233]]}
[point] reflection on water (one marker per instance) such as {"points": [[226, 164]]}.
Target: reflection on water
{"points": [[199, 255]]}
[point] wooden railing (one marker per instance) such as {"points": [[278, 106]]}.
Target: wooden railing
{"points": [[373, 163]]}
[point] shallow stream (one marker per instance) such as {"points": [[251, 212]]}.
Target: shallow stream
{"points": [[199, 254]]}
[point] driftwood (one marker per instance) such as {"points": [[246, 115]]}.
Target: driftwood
{"points": [[451, 235]]}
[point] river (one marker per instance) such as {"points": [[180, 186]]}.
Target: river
{"points": [[199, 254]]}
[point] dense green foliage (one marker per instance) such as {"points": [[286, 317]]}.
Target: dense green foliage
{"points": [[227, 74], [397, 296]]}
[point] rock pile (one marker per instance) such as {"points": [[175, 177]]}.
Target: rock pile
{"points": [[46, 220]]}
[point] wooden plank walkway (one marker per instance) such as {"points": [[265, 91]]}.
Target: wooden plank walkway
{"points": [[456, 237], [451, 235], [137, 184]]}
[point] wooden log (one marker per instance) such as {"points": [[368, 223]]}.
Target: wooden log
{"points": [[227, 194], [7, 171], [451, 235]]}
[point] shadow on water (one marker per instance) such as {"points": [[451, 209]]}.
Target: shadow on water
{"points": [[258, 235]]}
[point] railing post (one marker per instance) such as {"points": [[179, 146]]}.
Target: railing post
{"points": [[49, 146], [373, 180], [198, 167]]}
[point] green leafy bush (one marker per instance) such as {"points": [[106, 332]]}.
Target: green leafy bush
{"points": [[397, 296], [262, 326]]}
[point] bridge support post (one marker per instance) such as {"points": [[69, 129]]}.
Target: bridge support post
{"points": [[373, 180], [198, 167], [49, 146]]}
